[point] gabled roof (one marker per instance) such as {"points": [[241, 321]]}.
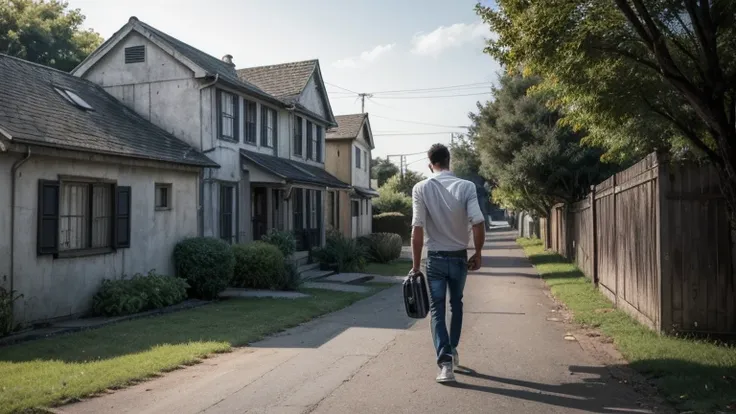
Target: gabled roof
{"points": [[32, 111], [292, 171], [349, 126], [203, 64], [285, 81]]}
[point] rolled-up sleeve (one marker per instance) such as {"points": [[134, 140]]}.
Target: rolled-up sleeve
{"points": [[475, 215], [419, 209]]}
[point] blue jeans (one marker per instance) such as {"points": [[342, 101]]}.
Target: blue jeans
{"points": [[446, 272]]}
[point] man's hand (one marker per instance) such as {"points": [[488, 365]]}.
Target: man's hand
{"points": [[474, 262]]}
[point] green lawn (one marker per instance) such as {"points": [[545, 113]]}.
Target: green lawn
{"points": [[399, 267], [52, 371], [695, 375]]}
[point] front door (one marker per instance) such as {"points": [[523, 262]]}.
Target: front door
{"points": [[260, 212]]}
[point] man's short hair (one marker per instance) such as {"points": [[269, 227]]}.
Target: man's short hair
{"points": [[438, 154]]}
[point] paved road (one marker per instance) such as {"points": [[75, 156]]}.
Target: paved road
{"points": [[370, 358]]}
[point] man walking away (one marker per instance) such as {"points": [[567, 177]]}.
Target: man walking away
{"points": [[444, 207]]}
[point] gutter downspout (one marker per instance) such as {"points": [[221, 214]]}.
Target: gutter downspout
{"points": [[200, 213], [13, 170]]}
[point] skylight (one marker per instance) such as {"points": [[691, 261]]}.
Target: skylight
{"points": [[74, 99]]}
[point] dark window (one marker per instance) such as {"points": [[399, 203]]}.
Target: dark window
{"points": [[356, 208], [278, 217], [299, 209], [318, 210], [227, 198], [268, 127], [250, 122], [82, 215], [227, 116], [163, 196], [298, 135], [357, 158], [332, 206], [310, 147], [318, 144], [135, 54], [310, 222]]}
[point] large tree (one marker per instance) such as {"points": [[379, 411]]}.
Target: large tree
{"points": [[534, 161], [639, 75], [465, 158], [382, 169], [403, 184], [45, 32]]}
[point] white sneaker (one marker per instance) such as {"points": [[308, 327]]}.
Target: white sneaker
{"points": [[446, 374]]}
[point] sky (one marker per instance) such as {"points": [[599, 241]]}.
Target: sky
{"points": [[376, 47]]}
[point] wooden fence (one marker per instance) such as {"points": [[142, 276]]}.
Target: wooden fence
{"points": [[656, 240]]}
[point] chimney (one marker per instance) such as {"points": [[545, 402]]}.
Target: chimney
{"points": [[228, 59]]}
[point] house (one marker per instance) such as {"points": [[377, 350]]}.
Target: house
{"points": [[88, 190], [264, 126], [349, 147]]}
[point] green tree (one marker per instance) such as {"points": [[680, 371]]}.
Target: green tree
{"points": [[638, 75], [382, 169], [45, 32], [464, 158], [405, 184], [534, 161]]}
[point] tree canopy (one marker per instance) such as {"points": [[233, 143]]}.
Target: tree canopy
{"points": [[638, 75], [382, 169], [404, 185], [534, 161], [45, 32], [464, 158]]}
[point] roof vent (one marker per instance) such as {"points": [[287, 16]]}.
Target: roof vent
{"points": [[228, 59]]}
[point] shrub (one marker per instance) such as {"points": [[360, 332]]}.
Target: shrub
{"points": [[382, 247], [207, 265], [7, 299], [392, 202], [291, 280], [393, 223], [138, 294], [341, 253], [258, 265], [284, 240]]}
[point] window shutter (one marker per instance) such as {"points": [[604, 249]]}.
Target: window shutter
{"points": [[47, 241], [218, 104], [320, 214], [121, 231], [275, 129], [236, 119], [264, 126]]}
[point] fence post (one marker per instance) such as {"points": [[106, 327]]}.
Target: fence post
{"points": [[594, 235]]}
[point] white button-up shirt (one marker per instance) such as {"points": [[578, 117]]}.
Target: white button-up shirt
{"points": [[445, 206]]}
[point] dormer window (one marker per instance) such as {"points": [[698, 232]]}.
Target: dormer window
{"points": [[74, 99]]}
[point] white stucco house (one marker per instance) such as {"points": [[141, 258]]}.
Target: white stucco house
{"points": [[264, 126], [88, 190]]}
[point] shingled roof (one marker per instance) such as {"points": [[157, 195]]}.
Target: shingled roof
{"points": [[348, 126], [285, 81], [292, 171], [33, 111]]}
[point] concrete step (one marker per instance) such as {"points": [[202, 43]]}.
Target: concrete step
{"points": [[307, 267], [315, 274]]}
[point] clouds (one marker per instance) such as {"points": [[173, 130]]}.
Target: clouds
{"points": [[446, 37], [368, 56]]}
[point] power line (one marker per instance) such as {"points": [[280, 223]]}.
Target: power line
{"points": [[417, 122], [340, 87], [433, 96], [440, 88], [414, 133]]}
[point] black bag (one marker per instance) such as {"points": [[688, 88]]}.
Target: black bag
{"points": [[416, 299]]}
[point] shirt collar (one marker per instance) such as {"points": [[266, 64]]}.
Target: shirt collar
{"points": [[442, 173]]}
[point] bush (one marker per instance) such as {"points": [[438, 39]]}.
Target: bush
{"points": [[7, 299], [382, 247], [392, 202], [341, 253], [137, 294], [284, 240], [393, 223], [207, 265], [258, 265], [291, 280]]}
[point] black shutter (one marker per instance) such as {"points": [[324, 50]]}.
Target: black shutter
{"points": [[236, 118], [275, 128], [218, 104], [47, 241], [319, 144], [264, 126], [121, 230], [320, 214]]}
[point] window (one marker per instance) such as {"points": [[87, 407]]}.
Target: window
{"points": [[278, 218], [355, 207], [310, 144], [365, 160], [74, 99], [357, 158], [268, 127], [299, 209], [331, 219], [163, 196], [313, 221], [250, 122], [82, 214], [227, 224], [135, 54], [318, 144], [227, 116], [298, 136]]}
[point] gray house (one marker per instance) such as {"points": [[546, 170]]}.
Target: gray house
{"points": [[88, 190], [265, 126]]}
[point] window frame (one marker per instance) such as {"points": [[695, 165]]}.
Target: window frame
{"points": [[310, 139], [169, 199], [298, 136], [358, 158], [234, 117], [319, 137], [266, 126], [232, 213], [250, 133]]}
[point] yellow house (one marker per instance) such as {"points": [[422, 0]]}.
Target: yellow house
{"points": [[348, 157]]}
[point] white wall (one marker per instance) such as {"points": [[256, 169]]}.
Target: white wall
{"points": [[312, 99], [361, 177], [64, 286]]}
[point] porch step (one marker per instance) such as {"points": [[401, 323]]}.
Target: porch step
{"points": [[307, 267], [313, 275]]}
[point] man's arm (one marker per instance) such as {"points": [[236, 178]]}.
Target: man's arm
{"points": [[478, 220], [419, 216]]}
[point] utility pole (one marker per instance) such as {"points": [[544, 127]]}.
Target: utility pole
{"points": [[362, 97]]}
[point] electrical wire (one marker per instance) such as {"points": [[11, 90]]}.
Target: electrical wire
{"points": [[415, 133], [434, 96], [340, 87], [418, 123]]}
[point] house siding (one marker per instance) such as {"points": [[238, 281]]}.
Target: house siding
{"points": [[312, 99], [6, 165], [361, 177], [63, 287]]}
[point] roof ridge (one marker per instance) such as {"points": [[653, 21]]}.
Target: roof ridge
{"points": [[279, 64], [160, 33]]}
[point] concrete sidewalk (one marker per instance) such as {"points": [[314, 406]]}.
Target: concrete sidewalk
{"points": [[372, 358]]}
